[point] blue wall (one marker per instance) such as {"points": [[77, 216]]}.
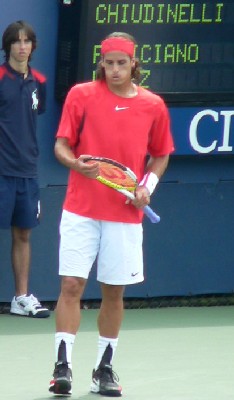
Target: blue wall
{"points": [[190, 251]]}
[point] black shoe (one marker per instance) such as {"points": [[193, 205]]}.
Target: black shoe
{"points": [[61, 384], [104, 379], [105, 382]]}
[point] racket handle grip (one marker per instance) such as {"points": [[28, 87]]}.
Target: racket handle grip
{"points": [[154, 218]]}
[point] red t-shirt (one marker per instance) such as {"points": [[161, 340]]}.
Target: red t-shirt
{"points": [[124, 129]]}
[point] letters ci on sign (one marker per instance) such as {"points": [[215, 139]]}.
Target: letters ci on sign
{"points": [[203, 130], [222, 142]]}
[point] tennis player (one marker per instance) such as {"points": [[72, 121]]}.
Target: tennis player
{"points": [[115, 118], [22, 98]]}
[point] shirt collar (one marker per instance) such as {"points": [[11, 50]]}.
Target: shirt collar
{"points": [[16, 73]]}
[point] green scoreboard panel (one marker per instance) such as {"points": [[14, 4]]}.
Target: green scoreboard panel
{"points": [[186, 49]]}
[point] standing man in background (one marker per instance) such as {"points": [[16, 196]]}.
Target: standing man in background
{"points": [[115, 118], [22, 98]]}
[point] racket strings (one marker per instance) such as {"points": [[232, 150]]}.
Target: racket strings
{"points": [[116, 177]]}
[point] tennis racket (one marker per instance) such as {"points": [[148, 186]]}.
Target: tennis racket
{"points": [[119, 177]]}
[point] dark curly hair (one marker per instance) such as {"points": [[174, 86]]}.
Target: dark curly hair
{"points": [[136, 75], [11, 35]]}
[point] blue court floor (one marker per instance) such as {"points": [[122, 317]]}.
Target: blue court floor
{"points": [[163, 354]]}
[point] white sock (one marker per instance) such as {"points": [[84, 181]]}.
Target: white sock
{"points": [[69, 339], [102, 345]]}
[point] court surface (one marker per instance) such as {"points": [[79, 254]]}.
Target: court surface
{"points": [[163, 354]]}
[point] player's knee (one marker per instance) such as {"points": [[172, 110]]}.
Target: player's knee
{"points": [[72, 287]]}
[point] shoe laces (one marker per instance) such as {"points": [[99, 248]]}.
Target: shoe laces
{"points": [[61, 368], [33, 300], [107, 371]]}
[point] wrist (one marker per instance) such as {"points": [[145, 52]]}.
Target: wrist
{"points": [[149, 181]]}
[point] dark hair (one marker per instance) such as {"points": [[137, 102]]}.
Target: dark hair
{"points": [[11, 35], [100, 72]]}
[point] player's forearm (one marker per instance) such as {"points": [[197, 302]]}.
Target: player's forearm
{"points": [[154, 170], [64, 154], [157, 165]]}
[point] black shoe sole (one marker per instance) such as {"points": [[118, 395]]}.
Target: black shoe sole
{"points": [[40, 314], [110, 393], [61, 387]]}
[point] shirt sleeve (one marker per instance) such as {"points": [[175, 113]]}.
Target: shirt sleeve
{"points": [[72, 118], [161, 140]]}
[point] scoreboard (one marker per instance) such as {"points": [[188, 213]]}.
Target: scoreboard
{"points": [[186, 49]]}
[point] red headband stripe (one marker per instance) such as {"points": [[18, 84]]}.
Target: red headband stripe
{"points": [[117, 44]]}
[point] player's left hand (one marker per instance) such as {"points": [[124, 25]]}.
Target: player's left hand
{"points": [[142, 198]]}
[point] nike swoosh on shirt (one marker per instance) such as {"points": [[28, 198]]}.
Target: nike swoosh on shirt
{"points": [[117, 108]]}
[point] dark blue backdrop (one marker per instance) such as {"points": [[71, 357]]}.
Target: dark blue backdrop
{"points": [[191, 250]]}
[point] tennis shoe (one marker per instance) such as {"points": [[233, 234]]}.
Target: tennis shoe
{"points": [[105, 381], [28, 306], [61, 384]]}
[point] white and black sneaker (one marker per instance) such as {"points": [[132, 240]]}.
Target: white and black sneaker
{"points": [[28, 306], [104, 379]]}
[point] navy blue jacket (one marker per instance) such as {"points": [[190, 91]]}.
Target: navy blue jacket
{"points": [[21, 100]]}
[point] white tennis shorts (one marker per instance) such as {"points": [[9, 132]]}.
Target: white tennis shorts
{"points": [[116, 246]]}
